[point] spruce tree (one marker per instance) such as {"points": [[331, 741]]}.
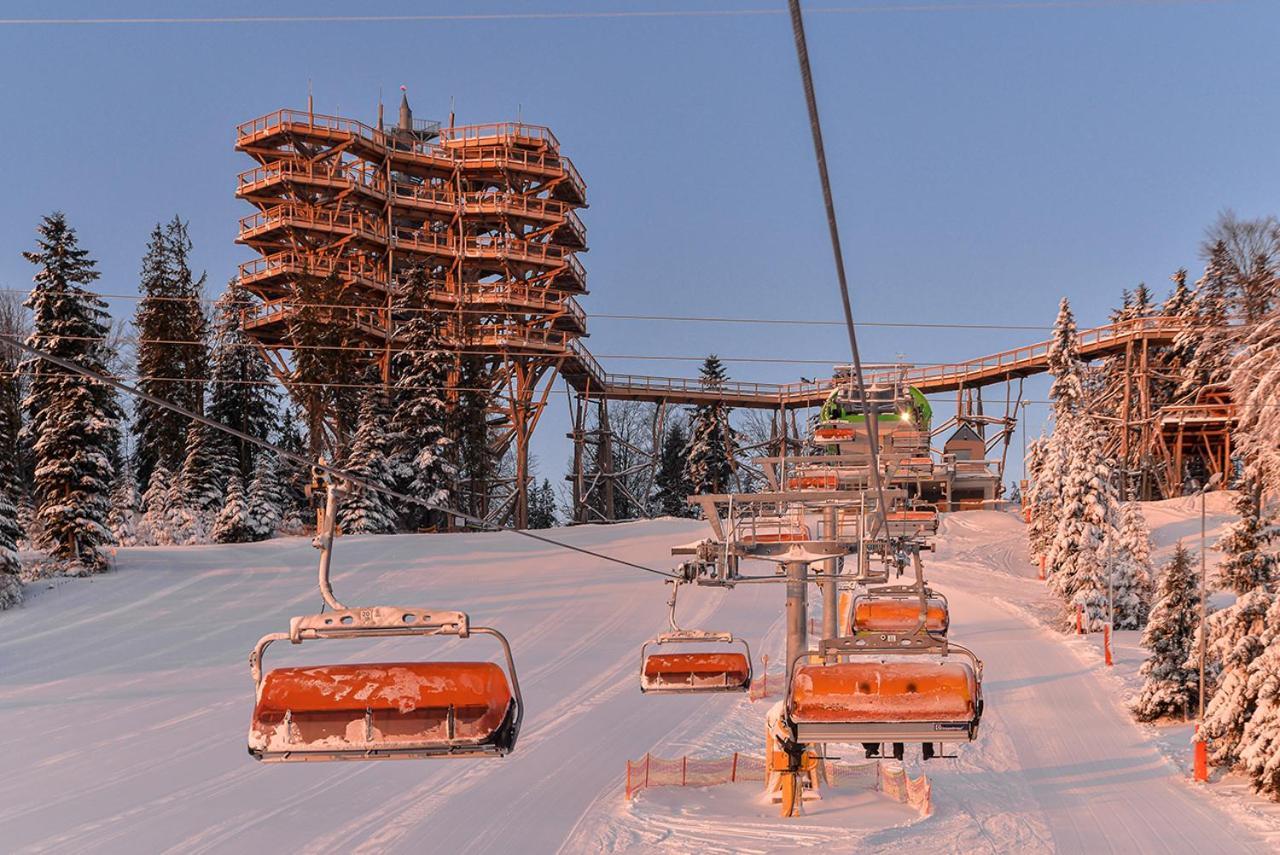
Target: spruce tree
{"points": [[125, 501], [293, 478], [1086, 526], [1255, 390], [1249, 561], [1259, 747], [1041, 497], [1131, 583], [186, 522], [156, 528], [712, 446], [364, 510], [232, 522], [172, 355], [542, 506], [1171, 688], [1237, 636], [263, 498], [74, 423], [242, 393], [421, 447], [10, 531], [672, 486], [205, 468]]}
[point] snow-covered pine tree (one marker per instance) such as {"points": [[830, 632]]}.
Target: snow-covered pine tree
{"points": [[421, 448], [1067, 389], [1086, 528], [75, 424], [1067, 396], [263, 498], [10, 565], [1039, 535], [366, 511], [1131, 582], [172, 355], [672, 485], [542, 506], [156, 527], [232, 522], [123, 518], [242, 393], [1237, 636], [1249, 561], [205, 468], [10, 531], [1204, 342], [186, 522], [1259, 747], [1171, 688], [712, 447], [293, 478], [1255, 389]]}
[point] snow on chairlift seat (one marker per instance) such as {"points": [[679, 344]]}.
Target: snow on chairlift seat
{"points": [[696, 672], [898, 614], [382, 710], [885, 698]]}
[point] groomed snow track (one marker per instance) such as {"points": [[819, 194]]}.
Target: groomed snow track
{"points": [[124, 702]]}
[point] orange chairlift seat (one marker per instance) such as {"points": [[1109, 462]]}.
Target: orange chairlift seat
{"points": [[921, 519], [827, 481], [384, 710], [700, 672], [896, 609]]}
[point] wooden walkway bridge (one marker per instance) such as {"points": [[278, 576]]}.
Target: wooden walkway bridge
{"points": [[589, 378]]}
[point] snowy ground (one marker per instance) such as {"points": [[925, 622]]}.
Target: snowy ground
{"points": [[124, 702]]}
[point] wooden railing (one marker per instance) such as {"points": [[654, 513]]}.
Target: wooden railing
{"points": [[357, 174], [316, 265], [1092, 341], [466, 135], [309, 216]]}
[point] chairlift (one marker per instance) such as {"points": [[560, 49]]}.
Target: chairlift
{"points": [[886, 687], [896, 609], [702, 672], [381, 710]]}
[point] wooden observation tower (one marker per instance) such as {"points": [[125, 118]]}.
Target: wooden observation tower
{"points": [[488, 211]]}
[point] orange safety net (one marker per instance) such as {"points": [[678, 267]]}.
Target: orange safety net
{"points": [[653, 771], [884, 691], [405, 702], [694, 668], [833, 433], [897, 615]]}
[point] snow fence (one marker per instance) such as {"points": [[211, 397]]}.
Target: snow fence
{"points": [[687, 771], [896, 784]]}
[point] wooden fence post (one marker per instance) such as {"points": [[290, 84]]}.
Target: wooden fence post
{"points": [[646, 768], [684, 770], [733, 772]]}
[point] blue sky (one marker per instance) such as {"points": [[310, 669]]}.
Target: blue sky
{"points": [[986, 161]]}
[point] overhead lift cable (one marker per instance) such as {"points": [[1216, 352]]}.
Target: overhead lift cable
{"points": [[301, 460], [819, 151]]}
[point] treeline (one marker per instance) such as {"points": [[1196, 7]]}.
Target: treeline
{"points": [[1094, 544]]}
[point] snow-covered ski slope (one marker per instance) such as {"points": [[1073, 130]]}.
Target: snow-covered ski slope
{"points": [[124, 702]]}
